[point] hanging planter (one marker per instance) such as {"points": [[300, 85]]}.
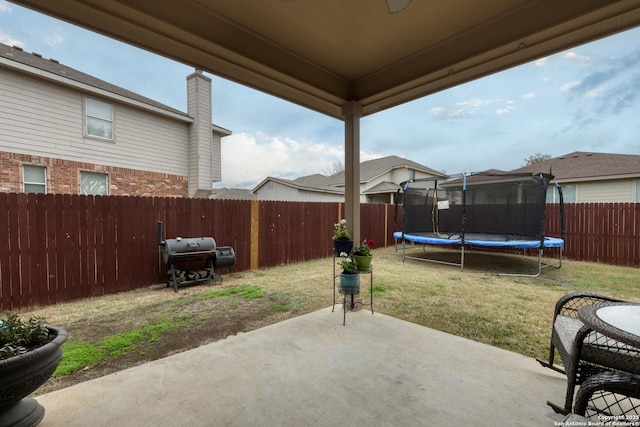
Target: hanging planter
{"points": [[363, 262]]}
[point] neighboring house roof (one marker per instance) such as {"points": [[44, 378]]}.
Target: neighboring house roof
{"points": [[369, 170], [66, 73], [584, 166], [300, 185], [233, 194], [487, 177], [384, 187], [315, 179], [376, 167], [54, 67]]}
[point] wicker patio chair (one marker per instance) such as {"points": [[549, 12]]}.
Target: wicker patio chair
{"points": [[610, 396], [584, 352]]}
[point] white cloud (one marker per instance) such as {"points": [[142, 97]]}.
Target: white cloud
{"points": [[4, 7], [436, 111], [471, 106], [542, 62], [595, 92], [570, 85], [506, 109], [9, 40], [574, 57], [529, 95], [54, 39], [249, 158], [476, 102]]}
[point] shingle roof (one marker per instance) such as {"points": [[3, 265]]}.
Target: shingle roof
{"points": [[301, 185], [315, 179], [489, 176], [233, 194], [373, 168], [587, 165], [384, 187], [54, 67]]}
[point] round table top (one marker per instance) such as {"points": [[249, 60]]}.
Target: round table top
{"points": [[623, 317], [618, 320]]}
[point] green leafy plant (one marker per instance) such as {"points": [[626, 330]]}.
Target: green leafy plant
{"points": [[365, 248], [340, 230], [18, 337], [348, 265]]}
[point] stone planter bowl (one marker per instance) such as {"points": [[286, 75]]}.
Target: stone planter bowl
{"points": [[21, 375]]}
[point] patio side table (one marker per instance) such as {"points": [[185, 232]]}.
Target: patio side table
{"points": [[617, 320]]}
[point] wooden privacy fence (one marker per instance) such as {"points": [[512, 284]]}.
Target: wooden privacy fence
{"points": [[56, 248], [599, 232]]}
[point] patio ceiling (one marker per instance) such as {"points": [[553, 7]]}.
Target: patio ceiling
{"points": [[323, 54]]}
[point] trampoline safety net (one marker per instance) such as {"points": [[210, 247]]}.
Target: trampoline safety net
{"points": [[485, 206]]}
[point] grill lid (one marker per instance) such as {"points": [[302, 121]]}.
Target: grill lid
{"points": [[188, 248]]}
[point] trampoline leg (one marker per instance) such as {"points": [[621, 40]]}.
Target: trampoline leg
{"points": [[403, 250], [539, 262], [527, 275], [462, 258], [560, 259]]}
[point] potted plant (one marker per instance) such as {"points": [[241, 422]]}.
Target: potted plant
{"points": [[341, 238], [363, 255], [349, 275], [29, 354]]}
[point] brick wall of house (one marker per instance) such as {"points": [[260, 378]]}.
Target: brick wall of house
{"points": [[63, 177]]}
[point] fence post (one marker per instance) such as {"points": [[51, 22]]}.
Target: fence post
{"points": [[255, 227]]}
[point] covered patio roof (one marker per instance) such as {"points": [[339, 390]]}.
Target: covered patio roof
{"points": [[349, 59], [325, 54]]}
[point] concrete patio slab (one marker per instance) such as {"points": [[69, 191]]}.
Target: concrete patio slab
{"points": [[313, 371]]}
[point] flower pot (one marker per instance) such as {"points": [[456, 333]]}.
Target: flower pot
{"points": [[349, 283], [363, 262], [23, 374], [342, 245]]}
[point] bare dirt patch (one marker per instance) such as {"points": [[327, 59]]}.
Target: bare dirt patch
{"points": [[202, 320]]}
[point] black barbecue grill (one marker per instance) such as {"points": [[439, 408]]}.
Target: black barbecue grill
{"points": [[182, 249]]}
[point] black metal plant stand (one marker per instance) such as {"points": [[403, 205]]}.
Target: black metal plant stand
{"points": [[350, 305]]}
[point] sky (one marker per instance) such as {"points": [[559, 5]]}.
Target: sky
{"points": [[584, 99]]}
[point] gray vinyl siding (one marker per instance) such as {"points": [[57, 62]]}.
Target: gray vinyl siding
{"points": [[200, 136], [42, 118], [202, 161], [31, 124], [216, 158], [148, 142]]}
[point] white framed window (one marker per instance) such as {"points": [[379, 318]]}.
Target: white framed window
{"points": [[552, 194], [99, 118], [568, 194], [35, 179], [93, 183]]}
